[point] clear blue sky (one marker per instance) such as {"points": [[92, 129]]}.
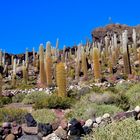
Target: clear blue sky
{"points": [[27, 23]]}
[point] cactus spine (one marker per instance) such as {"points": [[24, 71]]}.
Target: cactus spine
{"points": [[61, 79], [48, 64], [42, 68], [96, 64]]}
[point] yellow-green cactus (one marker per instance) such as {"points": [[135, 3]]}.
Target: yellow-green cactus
{"points": [[48, 64], [42, 68], [96, 64], [61, 79]]}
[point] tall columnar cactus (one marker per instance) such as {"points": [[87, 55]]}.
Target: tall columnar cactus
{"points": [[26, 58], [42, 68], [0, 57], [0, 85], [96, 64], [134, 45], [34, 58], [25, 73], [126, 59], [78, 59], [12, 60], [84, 63], [14, 74], [61, 79], [48, 64], [3, 58]]}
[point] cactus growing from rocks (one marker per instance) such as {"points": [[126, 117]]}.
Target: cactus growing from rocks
{"points": [[42, 68], [25, 73], [48, 64], [14, 74], [61, 79], [84, 63], [126, 59], [96, 64]]}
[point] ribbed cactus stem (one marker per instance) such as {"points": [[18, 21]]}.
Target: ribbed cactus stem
{"points": [[14, 74], [25, 73], [78, 59], [0, 85], [134, 45], [127, 67], [96, 64], [3, 58], [34, 58], [61, 79], [12, 60], [26, 57], [42, 68], [0, 57], [84, 64], [48, 64]]}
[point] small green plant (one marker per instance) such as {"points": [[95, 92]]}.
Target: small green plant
{"points": [[127, 129], [34, 97], [9, 115], [133, 94], [18, 98], [54, 101], [47, 116], [4, 101]]}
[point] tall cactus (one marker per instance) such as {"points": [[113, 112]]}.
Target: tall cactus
{"points": [[134, 45], [48, 64], [14, 74], [84, 63], [127, 67], [96, 64], [25, 73], [0, 85], [34, 58], [26, 58], [42, 68], [0, 57], [61, 79]]}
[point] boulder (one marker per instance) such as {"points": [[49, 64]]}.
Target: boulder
{"points": [[61, 133]]}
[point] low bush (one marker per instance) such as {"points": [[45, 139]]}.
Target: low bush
{"points": [[84, 109], [103, 98], [9, 115], [44, 115], [125, 130], [34, 97], [54, 101], [123, 87], [4, 101], [18, 98], [133, 95]]}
